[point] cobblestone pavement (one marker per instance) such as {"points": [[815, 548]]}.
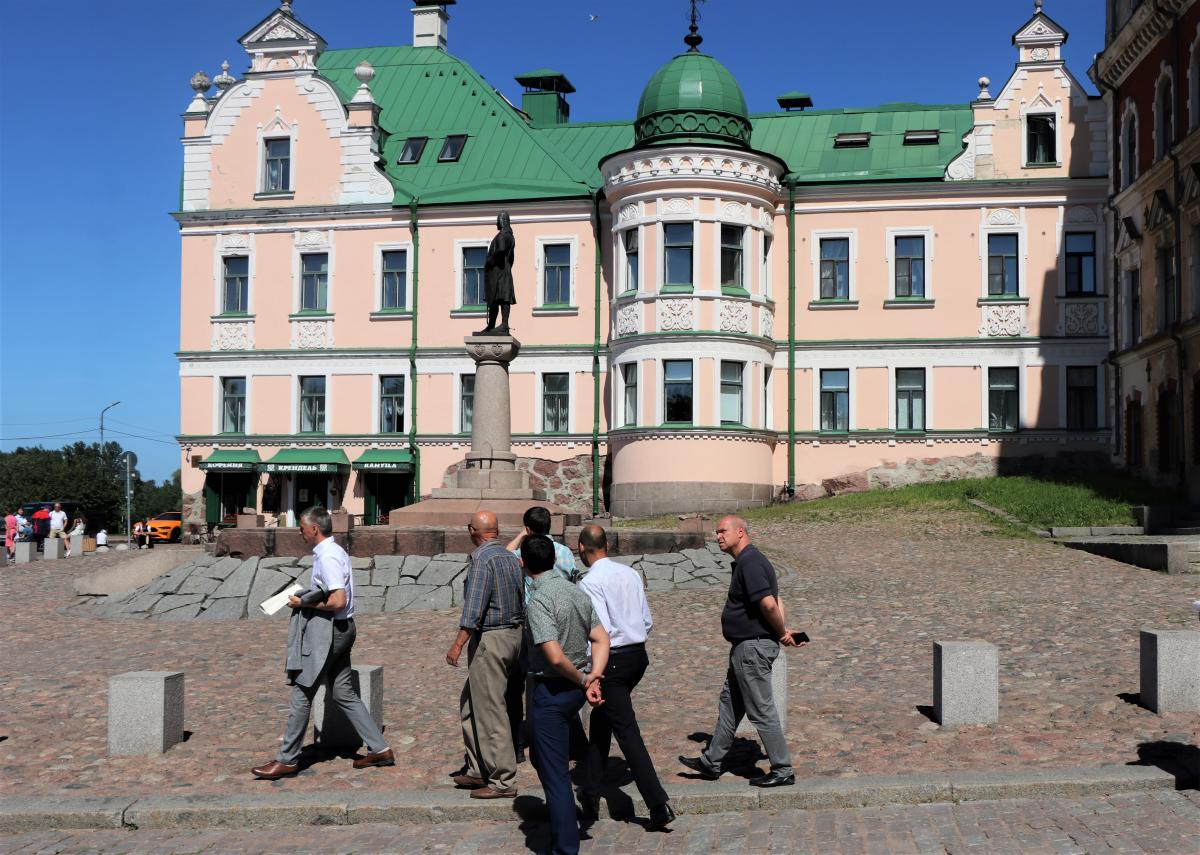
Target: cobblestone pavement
{"points": [[1163, 822], [873, 595]]}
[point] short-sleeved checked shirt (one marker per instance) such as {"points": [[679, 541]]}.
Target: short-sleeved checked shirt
{"points": [[559, 611], [564, 563], [493, 593]]}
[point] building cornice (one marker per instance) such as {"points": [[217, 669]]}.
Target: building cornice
{"points": [[1145, 26]]}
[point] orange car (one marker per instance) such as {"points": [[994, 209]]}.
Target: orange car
{"points": [[167, 526]]}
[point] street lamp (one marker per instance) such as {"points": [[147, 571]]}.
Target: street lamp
{"points": [[102, 412]]}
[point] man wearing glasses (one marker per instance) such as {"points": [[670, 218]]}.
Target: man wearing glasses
{"points": [[493, 616]]}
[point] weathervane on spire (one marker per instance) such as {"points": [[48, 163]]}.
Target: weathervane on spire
{"points": [[693, 38]]}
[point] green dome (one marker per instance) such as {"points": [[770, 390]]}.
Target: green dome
{"points": [[693, 98]]}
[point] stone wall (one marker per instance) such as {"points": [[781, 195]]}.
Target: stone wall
{"points": [[193, 508], [656, 498], [916, 470], [211, 588], [567, 483]]}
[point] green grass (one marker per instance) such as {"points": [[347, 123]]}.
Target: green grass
{"points": [[1038, 501]]}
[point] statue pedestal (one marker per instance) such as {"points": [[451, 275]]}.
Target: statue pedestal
{"points": [[491, 480]]}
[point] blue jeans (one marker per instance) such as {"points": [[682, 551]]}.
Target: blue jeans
{"points": [[553, 705]]}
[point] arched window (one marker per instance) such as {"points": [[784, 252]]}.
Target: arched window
{"points": [[1164, 117], [1129, 140]]}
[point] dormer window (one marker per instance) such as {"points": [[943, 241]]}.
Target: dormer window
{"points": [[413, 148], [855, 140], [452, 148], [921, 137], [278, 172], [1040, 140]]}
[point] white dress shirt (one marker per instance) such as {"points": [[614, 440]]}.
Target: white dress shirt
{"points": [[331, 570], [620, 601]]}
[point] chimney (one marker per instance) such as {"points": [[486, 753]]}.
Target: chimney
{"points": [[544, 99], [430, 23]]}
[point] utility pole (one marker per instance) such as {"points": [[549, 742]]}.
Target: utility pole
{"points": [[102, 412]]}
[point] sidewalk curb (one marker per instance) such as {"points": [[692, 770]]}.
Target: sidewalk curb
{"points": [[443, 804]]}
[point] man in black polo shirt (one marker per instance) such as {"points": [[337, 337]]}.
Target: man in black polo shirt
{"points": [[752, 623]]}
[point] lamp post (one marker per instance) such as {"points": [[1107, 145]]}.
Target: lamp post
{"points": [[102, 412]]}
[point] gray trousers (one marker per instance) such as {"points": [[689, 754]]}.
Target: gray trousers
{"points": [[341, 689], [747, 691]]}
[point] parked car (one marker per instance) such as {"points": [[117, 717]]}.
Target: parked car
{"points": [[167, 527]]}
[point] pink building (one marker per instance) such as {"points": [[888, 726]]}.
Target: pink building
{"points": [[717, 309]]}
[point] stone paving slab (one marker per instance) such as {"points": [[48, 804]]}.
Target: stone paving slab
{"points": [[1162, 822]]}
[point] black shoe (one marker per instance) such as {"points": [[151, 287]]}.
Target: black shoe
{"points": [[589, 806], [661, 816], [521, 758], [698, 764], [773, 779]]}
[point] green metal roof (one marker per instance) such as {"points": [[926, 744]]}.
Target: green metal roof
{"points": [[385, 459], [693, 98], [425, 92]]}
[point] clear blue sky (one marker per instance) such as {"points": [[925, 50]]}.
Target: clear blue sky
{"points": [[90, 97]]}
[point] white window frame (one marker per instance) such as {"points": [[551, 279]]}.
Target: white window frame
{"points": [[301, 246], [925, 232], [815, 238], [1019, 229], [622, 260], [540, 244], [1129, 159], [220, 253], [458, 378], [748, 381], [621, 386], [1062, 399], [296, 375], [277, 129], [1022, 391], [459, 246], [1167, 73], [377, 393], [1095, 230], [397, 246], [660, 390], [768, 390], [1039, 108], [538, 410], [892, 368], [748, 256], [851, 421], [219, 402], [765, 258], [696, 224]]}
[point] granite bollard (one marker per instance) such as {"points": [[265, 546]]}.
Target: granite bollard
{"points": [[966, 683], [779, 692], [26, 551], [77, 544], [52, 548], [1170, 670], [331, 728], [145, 712]]}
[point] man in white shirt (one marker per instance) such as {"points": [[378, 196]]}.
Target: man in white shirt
{"points": [[620, 602], [58, 522], [332, 573]]}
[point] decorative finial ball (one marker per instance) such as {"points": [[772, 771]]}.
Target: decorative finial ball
{"points": [[200, 82], [984, 83], [224, 80], [365, 72]]}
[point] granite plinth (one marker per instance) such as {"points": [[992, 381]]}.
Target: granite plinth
{"points": [[53, 548], [1170, 671], [966, 683], [26, 551], [331, 728], [145, 712]]}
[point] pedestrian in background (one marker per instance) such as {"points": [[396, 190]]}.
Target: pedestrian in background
{"points": [[10, 534]]}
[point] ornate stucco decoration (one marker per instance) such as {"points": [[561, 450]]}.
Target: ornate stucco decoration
{"points": [[1082, 318], [675, 315], [629, 320], [766, 322], [312, 334], [233, 335], [743, 167], [735, 316], [1003, 217], [1001, 321]]}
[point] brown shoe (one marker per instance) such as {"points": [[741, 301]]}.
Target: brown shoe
{"points": [[273, 770], [489, 793], [468, 782], [383, 758]]}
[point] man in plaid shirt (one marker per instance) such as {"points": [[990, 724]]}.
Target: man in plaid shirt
{"points": [[490, 628]]}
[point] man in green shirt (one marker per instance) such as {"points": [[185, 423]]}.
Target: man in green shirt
{"points": [[561, 620]]}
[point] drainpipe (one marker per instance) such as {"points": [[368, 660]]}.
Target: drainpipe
{"points": [[1177, 216], [1115, 302], [596, 473], [415, 230], [791, 211]]}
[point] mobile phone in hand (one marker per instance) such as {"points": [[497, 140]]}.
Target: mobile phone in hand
{"points": [[800, 637]]}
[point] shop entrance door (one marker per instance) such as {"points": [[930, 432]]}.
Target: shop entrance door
{"points": [[311, 491], [383, 492]]}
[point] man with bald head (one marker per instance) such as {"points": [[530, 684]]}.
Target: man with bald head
{"points": [[752, 622], [490, 628], [620, 602]]}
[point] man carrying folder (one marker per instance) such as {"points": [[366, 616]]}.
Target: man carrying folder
{"points": [[320, 637]]}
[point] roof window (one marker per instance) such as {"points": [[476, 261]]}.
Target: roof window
{"points": [[413, 147], [921, 137], [452, 148], [855, 140]]}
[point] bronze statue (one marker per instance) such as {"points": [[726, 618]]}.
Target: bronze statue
{"points": [[498, 281]]}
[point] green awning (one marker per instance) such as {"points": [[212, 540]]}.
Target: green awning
{"points": [[231, 460], [385, 460], [298, 460]]}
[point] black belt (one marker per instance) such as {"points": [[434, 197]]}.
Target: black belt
{"points": [[343, 623], [628, 648]]}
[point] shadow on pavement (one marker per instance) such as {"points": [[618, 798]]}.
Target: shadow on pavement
{"points": [[741, 760], [1174, 758], [928, 711], [1132, 698]]}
